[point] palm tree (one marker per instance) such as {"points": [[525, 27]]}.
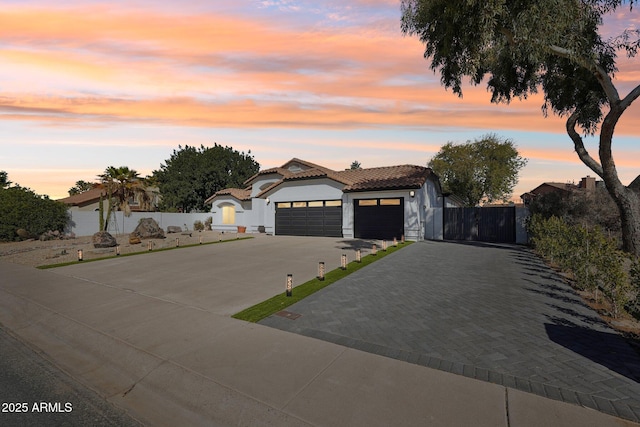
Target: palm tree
{"points": [[123, 184]]}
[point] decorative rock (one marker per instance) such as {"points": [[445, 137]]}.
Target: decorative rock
{"points": [[23, 234], [103, 239], [148, 228], [134, 240], [174, 229]]}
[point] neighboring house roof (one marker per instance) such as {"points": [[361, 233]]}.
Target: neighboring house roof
{"points": [[354, 180], [85, 198]]}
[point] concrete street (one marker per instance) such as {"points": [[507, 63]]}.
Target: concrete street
{"points": [[152, 335]]}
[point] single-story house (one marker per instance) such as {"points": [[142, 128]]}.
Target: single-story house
{"points": [[89, 200], [303, 198], [588, 183]]}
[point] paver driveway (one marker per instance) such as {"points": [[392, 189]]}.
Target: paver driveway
{"points": [[489, 312]]}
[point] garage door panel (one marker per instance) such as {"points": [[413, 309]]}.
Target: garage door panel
{"points": [[379, 218], [311, 220]]}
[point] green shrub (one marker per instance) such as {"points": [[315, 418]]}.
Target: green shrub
{"points": [[22, 208], [198, 225], [592, 259]]}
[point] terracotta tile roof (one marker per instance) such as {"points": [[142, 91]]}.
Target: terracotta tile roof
{"points": [[385, 178], [238, 193], [372, 179], [84, 198]]}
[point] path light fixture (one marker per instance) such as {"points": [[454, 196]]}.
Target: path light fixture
{"points": [[200, 240], [149, 245], [358, 255], [321, 270], [289, 284], [395, 242], [402, 239], [80, 255], [117, 250], [374, 250], [177, 242], [343, 261], [384, 245]]}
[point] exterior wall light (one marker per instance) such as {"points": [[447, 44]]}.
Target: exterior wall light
{"points": [[267, 200], [358, 255], [80, 255], [343, 261], [321, 270], [289, 284], [412, 193]]}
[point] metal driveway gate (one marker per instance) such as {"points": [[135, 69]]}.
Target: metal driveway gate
{"points": [[494, 224]]}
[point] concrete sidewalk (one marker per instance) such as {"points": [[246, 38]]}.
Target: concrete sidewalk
{"points": [[152, 335]]}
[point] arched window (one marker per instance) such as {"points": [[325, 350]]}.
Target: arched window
{"points": [[228, 214]]}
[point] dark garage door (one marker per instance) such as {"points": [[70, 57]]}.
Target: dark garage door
{"points": [[379, 218], [317, 218]]}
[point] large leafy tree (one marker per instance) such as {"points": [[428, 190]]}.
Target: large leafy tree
{"points": [[191, 175], [484, 170], [21, 208], [556, 46]]}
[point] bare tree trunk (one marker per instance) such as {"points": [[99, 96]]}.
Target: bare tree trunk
{"points": [[627, 200]]}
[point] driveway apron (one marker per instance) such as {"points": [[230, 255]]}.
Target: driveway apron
{"points": [[490, 312]]}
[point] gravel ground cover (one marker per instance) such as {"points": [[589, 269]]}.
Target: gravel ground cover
{"points": [[37, 253]]}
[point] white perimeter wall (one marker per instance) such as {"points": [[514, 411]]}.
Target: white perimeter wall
{"points": [[86, 223]]}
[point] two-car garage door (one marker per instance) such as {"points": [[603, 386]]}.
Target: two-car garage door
{"points": [[315, 218]]}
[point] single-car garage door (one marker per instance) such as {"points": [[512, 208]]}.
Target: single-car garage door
{"points": [[316, 218], [379, 218]]}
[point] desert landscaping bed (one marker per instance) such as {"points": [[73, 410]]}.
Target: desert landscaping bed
{"points": [[38, 253]]}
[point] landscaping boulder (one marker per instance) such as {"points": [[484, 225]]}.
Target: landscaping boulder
{"points": [[103, 239], [174, 229], [134, 240], [148, 228], [23, 234]]}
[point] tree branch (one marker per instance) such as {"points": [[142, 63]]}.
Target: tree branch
{"points": [[583, 154], [599, 72], [631, 96]]}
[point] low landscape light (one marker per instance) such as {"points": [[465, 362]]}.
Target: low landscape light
{"points": [[177, 242], [384, 245], [117, 250], [374, 250], [321, 270], [149, 245], [395, 242], [80, 255], [200, 239], [358, 255], [343, 261], [402, 239], [289, 284]]}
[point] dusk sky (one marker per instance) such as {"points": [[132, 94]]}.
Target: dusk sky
{"points": [[85, 85]]}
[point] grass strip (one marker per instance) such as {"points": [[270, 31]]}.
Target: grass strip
{"points": [[64, 264], [281, 301]]}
